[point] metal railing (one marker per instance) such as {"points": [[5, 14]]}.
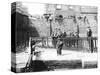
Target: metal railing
{"points": [[81, 43]]}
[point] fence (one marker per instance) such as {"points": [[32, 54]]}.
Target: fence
{"points": [[82, 43]]}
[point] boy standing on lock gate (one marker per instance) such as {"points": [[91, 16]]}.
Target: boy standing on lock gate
{"points": [[89, 39], [59, 44]]}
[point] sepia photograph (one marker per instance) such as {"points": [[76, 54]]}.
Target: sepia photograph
{"points": [[53, 37]]}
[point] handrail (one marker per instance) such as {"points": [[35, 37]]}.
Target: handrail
{"points": [[84, 43]]}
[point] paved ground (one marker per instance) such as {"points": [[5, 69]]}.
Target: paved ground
{"points": [[51, 54]]}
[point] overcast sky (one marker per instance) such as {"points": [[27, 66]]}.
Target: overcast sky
{"points": [[35, 8], [39, 8]]}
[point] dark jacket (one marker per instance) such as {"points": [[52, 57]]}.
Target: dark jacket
{"points": [[89, 33]]}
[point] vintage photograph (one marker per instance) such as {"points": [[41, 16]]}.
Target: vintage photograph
{"points": [[53, 37]]}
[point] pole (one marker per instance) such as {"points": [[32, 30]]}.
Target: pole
{"points": [[50, 27]]}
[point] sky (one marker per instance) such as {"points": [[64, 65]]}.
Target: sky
{"points": [[39, 8], [35, 8]]}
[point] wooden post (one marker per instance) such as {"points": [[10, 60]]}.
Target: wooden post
{"points": [[95, 43]]}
